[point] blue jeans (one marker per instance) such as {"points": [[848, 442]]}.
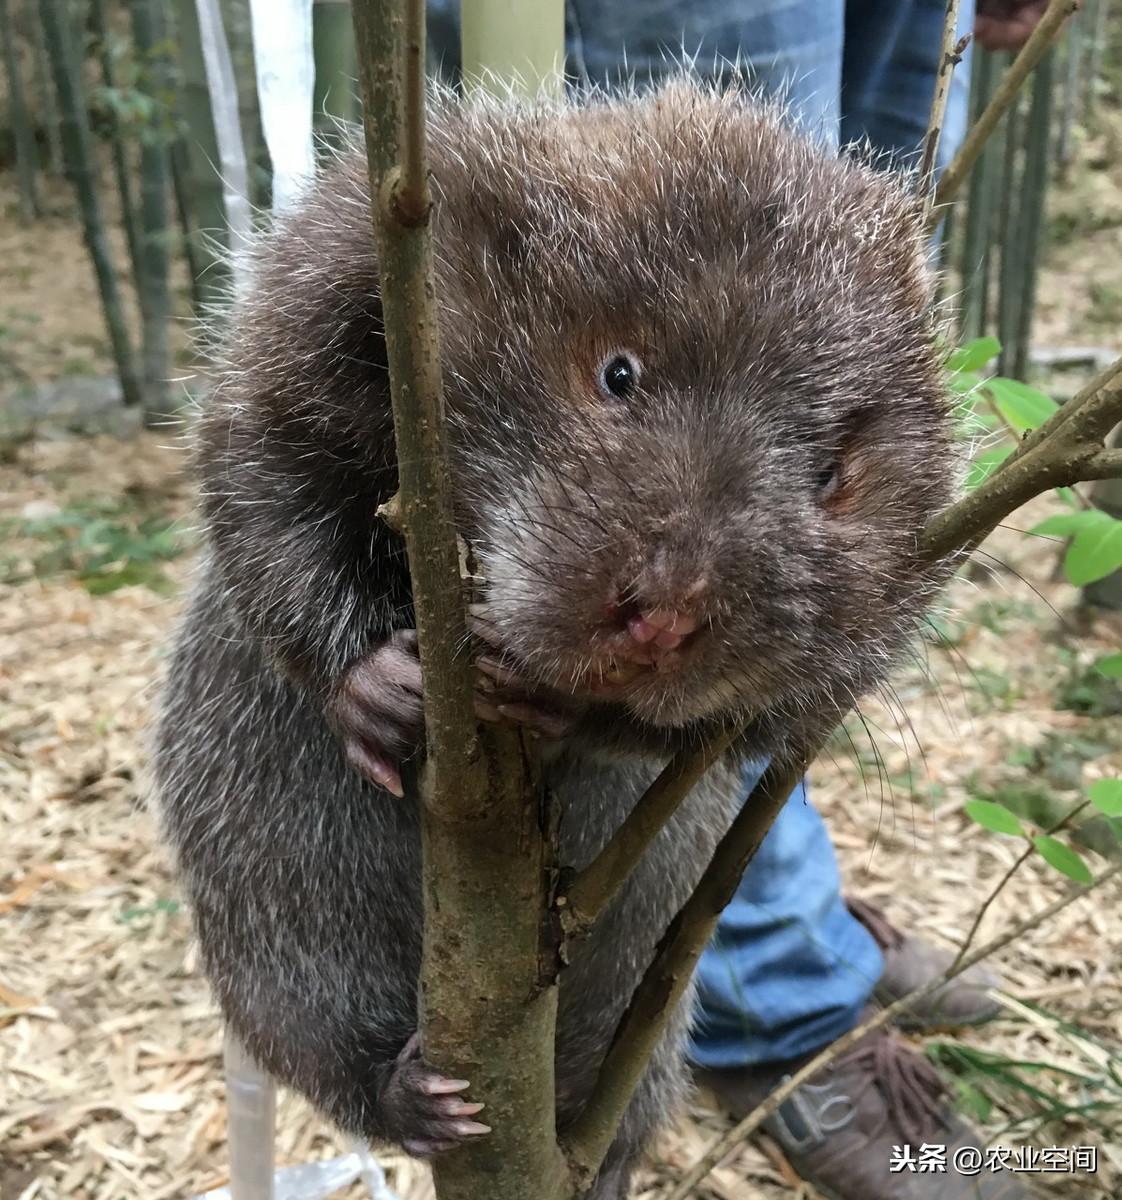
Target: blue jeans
{"points": [[789, 968]]}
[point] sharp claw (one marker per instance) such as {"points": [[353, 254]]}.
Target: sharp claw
{"points": [[426, 1147], [470, 1128], [486, 711], [460, 1108], [500, 672], [376, 768], [437, 1085]]}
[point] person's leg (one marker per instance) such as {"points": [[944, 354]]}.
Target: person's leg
{"points": [[791, 48], [888, 76], [790, 968]]}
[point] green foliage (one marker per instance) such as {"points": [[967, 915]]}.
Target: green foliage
{"points": [[1095, 550], [1033, 1095], [143, 913], [973, 355], [1110, 666], [1106, 796], [104, 545], [1067, 861], [994, 817], [1023, 407]]}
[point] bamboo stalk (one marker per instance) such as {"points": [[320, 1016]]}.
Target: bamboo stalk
{"points": [[150, 35], [520, 44], [1008, 216], [77, 143], [334, 99], [484, 833], [122, 169], [1034, 191], [1045, 33], [26, 157], [975, 260], [1098, 48], [46, 95], [1074, 84], [198, 163]]}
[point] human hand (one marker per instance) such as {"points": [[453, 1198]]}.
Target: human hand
{"points": [[1006, 24]]}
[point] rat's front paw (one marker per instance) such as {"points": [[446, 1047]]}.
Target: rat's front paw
{"points": [[378, 710], [423, 1110]]}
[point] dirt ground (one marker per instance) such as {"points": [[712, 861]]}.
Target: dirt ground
{"points": [[109, 1041]]}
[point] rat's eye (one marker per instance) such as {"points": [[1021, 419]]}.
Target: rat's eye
{"points": [[619, 375]]}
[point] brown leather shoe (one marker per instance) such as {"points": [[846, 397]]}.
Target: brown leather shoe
{"points": [[873, 1126], [909, 962]]}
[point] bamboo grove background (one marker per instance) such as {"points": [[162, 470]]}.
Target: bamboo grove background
{"points": [[112, 94]]}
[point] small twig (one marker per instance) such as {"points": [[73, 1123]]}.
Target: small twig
{"points": [[593, 888], [1067, 448], [953, 49], [666, 979], [1018, 862], [745, 1128], [1031, 53]]}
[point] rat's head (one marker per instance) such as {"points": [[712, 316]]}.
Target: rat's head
{"points": [[698, 410]]}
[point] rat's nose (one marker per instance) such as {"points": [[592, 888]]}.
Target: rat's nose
{"points": [[662, 628], [655, 627]]}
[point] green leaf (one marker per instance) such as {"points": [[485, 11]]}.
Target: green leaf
{"points": [[994, 817], [1106, 796], [985, 464], [1023, 407], [1068, 496], [974, 355], [1067, 524], [1063, 858], [1110, 666], [1095, 552]]}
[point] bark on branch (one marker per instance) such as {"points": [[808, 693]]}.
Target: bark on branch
{"points": [[486, 1016], [1045, 33]]}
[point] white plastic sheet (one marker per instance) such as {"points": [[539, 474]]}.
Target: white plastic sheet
{"points": [[282, 49], [227, 126]]}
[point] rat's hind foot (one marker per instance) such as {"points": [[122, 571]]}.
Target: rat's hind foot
{"points": [[378, 709], [423, 1110]]}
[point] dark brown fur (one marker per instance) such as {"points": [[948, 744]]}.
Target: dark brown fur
{"points": [[778, 303]]}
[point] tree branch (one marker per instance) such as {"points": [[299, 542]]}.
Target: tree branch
{"points": [[594, 888], [950, 57], [745, 1128], [1014, 867], [1065, 449], [669, 974], [1052, 456], [1045, 33], [486, 1017]]}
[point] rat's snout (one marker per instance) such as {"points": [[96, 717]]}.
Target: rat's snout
{"points": [[660, 608]]}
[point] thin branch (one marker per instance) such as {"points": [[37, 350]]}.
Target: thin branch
{"points": [[594, 888], [1056, 454], [950, 56], [1045, 33], [412, 196], [1064, 450], [999, 887], [668, 976], [480, 890], [1105, 465], [745, 1128]]}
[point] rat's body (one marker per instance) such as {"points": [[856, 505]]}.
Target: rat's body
{"points": [[697, 422]]}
